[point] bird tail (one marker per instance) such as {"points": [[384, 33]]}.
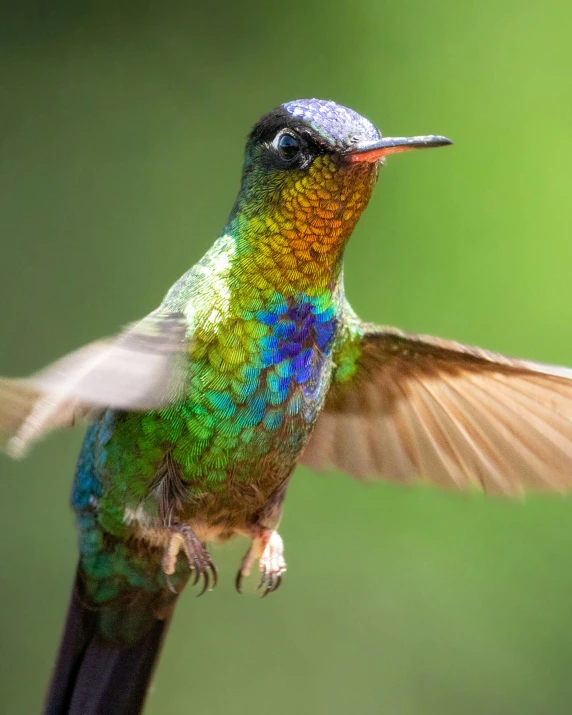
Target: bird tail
{"points": [[97, 676]]}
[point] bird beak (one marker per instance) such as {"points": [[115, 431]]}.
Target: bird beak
{"points": [[376, 150]]}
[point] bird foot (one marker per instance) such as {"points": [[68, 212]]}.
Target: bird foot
{"points": [[268, 547], [183, 537]]}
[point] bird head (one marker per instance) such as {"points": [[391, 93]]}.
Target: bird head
{"points": [[309, 171]]}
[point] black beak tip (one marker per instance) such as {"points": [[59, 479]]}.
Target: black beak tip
{"points": [[433, 141]]}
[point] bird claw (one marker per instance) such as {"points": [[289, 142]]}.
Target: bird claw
{"points": [[238, 581], [170, 586], [198, 558], [270, 582], [272, 565]]}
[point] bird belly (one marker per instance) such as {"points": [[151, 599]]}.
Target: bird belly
{"points": [[254, 471], [213, 460], [230, 485]]}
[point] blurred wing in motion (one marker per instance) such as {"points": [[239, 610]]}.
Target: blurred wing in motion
{"points": [[416, 407], [140, 369]]}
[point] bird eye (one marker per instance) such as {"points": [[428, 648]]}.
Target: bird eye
{"points": [[288, 146]]}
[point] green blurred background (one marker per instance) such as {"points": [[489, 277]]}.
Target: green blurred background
{"points": [[122, 129]]}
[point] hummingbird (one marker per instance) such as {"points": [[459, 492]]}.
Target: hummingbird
{"points": [[255, 362]]}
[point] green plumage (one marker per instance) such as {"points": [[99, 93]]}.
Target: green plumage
{"points": [[255, 375]]}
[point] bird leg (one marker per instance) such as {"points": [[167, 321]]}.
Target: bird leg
{"points": [[183, 537], [267, 546]]}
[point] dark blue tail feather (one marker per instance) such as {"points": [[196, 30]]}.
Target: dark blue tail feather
{"points": [[94, 676]]}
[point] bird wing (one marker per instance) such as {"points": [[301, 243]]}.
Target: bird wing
{"points": [[412, 407], [142, 368]]}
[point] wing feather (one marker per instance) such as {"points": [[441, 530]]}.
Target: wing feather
{"points": [[418, 407], [140, 369]]}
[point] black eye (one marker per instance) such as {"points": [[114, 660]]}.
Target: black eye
{"points": [[288, 146]]}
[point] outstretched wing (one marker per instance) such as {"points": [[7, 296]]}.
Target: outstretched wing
{"points": [[406, 407], [140, 369]]}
